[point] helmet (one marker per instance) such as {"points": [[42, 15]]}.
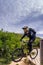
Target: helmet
{"points": [[25, 27]]}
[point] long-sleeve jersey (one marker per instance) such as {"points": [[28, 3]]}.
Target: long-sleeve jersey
{"points": [[31, 33]]}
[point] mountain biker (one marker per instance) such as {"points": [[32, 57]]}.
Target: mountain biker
{"points": [[31, 33]]}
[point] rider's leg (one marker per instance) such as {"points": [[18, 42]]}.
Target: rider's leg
{"points": [[30, 44]]}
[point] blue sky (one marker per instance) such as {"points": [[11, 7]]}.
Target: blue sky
{"points": [[15, 14]]}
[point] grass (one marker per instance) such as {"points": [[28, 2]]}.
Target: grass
{"points": [[4, 61]]}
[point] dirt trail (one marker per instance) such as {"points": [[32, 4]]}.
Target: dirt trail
{"points": [[20, 62]]}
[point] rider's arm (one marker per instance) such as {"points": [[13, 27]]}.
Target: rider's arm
{"points": [[33, 30], [23, 37]]}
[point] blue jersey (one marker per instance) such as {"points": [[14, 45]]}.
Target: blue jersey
{"points": [[31, 33]]}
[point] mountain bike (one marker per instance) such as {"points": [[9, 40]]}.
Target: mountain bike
{"points": [[19, 53]]}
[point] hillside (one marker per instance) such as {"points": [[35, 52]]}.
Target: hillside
{"points": [[8, 42]]}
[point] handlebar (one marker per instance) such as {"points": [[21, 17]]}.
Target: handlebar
{"points": [[27, 42]]}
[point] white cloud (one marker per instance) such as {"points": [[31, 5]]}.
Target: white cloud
{"points": [[15, 11], [40, 32]]}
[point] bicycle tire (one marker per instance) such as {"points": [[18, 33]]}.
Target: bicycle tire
{"points": [[20, 50], [35, 55]]}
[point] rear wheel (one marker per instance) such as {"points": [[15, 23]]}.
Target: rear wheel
{"points": [[17, 55], [34, 53]]}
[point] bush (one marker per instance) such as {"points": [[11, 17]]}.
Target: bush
{"points": [[8, 42]]}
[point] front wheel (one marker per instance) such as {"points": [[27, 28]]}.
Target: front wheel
{"points": [[17, 55], [34, 53]]}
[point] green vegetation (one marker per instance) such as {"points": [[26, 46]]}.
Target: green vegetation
{"points": [[8, 42]]}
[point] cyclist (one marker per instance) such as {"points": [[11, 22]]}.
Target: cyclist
{"points": [[31, 33]]}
